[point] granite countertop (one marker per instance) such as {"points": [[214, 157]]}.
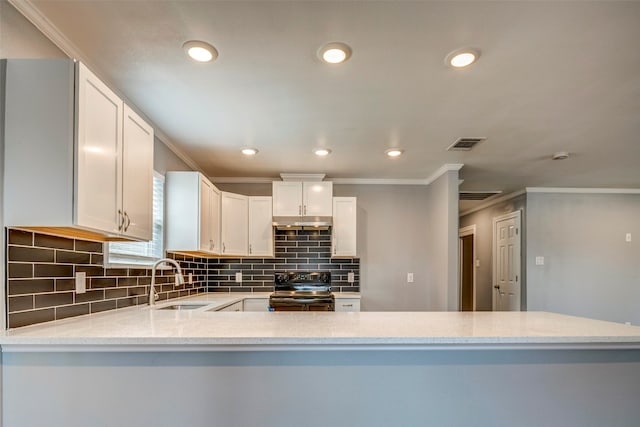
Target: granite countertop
{"points": [[148, 329]]}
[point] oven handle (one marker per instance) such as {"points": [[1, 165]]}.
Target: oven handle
{"points": [[301, 300]]}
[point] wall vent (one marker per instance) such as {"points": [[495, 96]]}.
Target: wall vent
{"points": [[465, 144], [477, 195]]}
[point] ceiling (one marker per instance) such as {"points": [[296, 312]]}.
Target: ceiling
{"points": [[553, 76]]}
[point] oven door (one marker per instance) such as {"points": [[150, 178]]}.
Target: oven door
{"points": [[300, 304]]}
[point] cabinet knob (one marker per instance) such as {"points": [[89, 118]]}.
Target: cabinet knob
{"points": [[305, 209], [299, 209], [224, 248]]}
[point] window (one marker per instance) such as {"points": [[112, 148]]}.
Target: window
{"points": [[143, 253]]}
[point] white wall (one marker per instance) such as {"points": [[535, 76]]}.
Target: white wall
{"points": [[589, 269]]}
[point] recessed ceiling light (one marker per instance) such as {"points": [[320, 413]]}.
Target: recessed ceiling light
{"points": [[200, 51], [249, 151], [334, 52], [560, 155], [394, 152], [462, 57], [322, 152]]}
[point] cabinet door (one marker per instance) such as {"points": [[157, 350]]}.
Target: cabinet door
{"points": [[260, 226], [234, 224], [137, 177], [214, 220], [344, 227], [255, 304], [347, 304], [317, 198], [287, 198], [205, 215], [98, 166]]}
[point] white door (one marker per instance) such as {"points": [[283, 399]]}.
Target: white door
{"points": [[137, 177], [260, 226], [206, 244], [235, 224], [506, 274], [317, 198], [344, 227], [99, 147], [287, 198]]}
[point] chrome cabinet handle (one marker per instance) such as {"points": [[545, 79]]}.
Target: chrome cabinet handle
{"points": [[497, 286], [126, 227], [250, 249], [299, 209], [347, 305], [120, 220], [305, 209], [224, 248]]}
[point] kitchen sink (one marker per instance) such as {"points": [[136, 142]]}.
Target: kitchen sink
{"points": [[182, 307]]}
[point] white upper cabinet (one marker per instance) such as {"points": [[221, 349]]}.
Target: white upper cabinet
{"points": [[293, 198], [234, 224], [193, 213], [344, 235], [137, 177], [78, 162], [260, 226]]}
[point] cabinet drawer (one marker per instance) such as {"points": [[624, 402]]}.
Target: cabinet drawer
{"points": [[347, 304]]}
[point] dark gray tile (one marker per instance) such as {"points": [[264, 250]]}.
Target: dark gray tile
{"points": [[51, 300], [115, 293], [87, 246], [127, 281], [97, 259], [102, 282], [94, 295], [90, 270], [126, 302], [46, 241], [139, 272], [97, 307], [52, 270], [20, 303], [19, 253], [72, 311], [65, 285], [139, 290], [19, 270], [67, 257], [20, 237], [19, 287], [116, 272], [30, 317]]}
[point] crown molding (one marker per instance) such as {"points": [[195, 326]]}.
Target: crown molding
{"points": [[495, 201], [442, 170], [241, 180], [376, 181], [567, 190], [46, 27]]}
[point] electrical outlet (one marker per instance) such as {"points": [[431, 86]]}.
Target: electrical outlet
{"points": [[409, 277], [477, 263], [238, 277], [627, 238], [539, 260], [81, 282], [351, 277], [190, 278]]}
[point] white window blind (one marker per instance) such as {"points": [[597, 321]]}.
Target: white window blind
{"points": [[143, 253]]}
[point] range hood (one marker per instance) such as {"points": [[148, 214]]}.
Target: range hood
{"points": [[302, 222]]}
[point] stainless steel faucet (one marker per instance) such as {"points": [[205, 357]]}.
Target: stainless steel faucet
{"points": [[153, 295]]}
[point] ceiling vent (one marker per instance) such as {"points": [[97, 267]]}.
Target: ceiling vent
{"points": [[477, 195], [465, 144]]}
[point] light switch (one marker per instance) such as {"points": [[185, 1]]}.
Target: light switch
{"points": [[477, 263], [351, 277], [238, 277], [539, 260], [627, 238], [81, 282], [409, 277]]}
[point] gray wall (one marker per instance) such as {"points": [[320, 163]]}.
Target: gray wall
{"points": [[457, 388], [20, 39], [165, 160], [483, 220], [589, 269]]}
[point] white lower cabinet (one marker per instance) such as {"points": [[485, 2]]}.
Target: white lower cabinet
{"points": [[347, 304], [256, 304], [237, 306]]}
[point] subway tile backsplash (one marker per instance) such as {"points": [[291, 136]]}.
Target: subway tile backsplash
{"points": [[295, 250], [40, 279]]}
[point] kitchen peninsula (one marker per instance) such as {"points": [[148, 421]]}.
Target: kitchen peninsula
{"points": [[198, 367]]}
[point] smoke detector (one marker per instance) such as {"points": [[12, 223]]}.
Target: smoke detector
{"points": [[560, 155], [465, 143]]}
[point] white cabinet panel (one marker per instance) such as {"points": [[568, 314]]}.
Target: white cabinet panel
{"points": [[137, 177], [260, 226], [234, 224], [317, 198], [256, 304], [193, 213], [347, 304], [344, 230], [99, 151], [302, 198]]}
